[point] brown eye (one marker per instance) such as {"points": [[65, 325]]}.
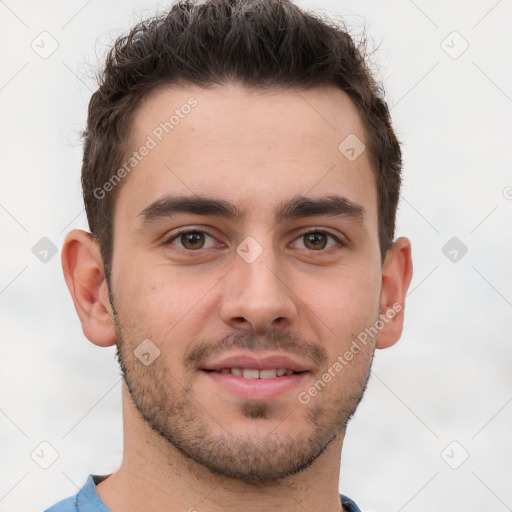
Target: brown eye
{"points": [[315, 240], [191, 240], [194, 240], [318, 240]]}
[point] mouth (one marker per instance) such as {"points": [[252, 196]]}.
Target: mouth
{"points": [[253, 373], [256, 375], [256, 385]]}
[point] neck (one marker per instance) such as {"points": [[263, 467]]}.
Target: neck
{"points": [[155, 476]]}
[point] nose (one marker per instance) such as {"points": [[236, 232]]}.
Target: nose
{"points": [[258, 296]]}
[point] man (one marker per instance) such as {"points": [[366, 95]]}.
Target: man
{"points": [[241, 178]]}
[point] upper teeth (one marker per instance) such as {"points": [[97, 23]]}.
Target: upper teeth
{"points": [[249, 373]]}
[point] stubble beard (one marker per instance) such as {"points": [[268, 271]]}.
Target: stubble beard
{"points": [[175, 413]]}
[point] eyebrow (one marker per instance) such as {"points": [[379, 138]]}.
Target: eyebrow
{"points": [[295, 208]]}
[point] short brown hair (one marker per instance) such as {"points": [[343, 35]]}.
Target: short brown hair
{"points": [[259, 44]]}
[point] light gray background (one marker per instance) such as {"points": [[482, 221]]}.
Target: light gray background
{"points": [[447, 380]]}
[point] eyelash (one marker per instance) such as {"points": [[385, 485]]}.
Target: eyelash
{"points": [[176, 235]]}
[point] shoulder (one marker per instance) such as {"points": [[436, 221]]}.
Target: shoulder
{"points": [[348, 504], [86, 500], [67, 505]]}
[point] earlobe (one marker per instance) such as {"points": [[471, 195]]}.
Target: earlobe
{"points": [[84, 274], [396, 278]]}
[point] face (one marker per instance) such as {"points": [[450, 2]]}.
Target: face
{"points": [[273, 266]]}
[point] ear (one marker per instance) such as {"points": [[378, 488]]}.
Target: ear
{"points": [[396, 278], [83, 271]]}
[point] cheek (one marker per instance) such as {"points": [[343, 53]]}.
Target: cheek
{"points": [[169, 308], [346, 299], [348, 305], [353, 312]]}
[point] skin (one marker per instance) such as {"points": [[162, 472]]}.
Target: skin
{"points": [[187, 442]]}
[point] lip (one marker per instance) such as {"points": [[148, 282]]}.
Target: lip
{"points": [[252, 361], [256, 389]]}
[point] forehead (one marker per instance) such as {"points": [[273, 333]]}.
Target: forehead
{"points": [[249, 146]]}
